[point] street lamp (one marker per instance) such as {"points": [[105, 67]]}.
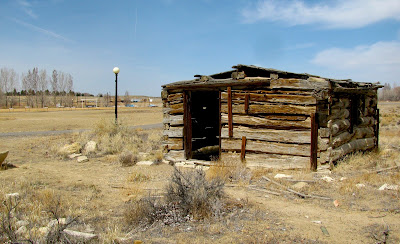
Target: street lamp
{"points": [[116, 71]]}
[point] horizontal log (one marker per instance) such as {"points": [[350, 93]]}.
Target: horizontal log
{"points": [[270, 160], [341, 103], [341, 139], [175, 155], [175, 97], [271, 98], [176, 108], [310, 84], [323, 143], [164, 94], [173, 120], [271, 135], [275, 91], [339, 114], [269, 109], [364, 132], [267, 123], [358, 90], [338, 125], [324, 132], [173, 143], [366, 121], [353, 146], [266, 147], [174, 132], [323, 157]]}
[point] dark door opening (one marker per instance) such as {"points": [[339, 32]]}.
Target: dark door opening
{"points": [[205, 124]]}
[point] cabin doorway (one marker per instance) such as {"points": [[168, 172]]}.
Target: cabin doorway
{"points": [[202, 136]]}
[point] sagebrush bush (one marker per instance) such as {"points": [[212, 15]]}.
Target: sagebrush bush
{"points": [[127, 158], [229, 170]]}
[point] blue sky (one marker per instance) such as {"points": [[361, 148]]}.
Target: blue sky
{"points": [[155, 42]]}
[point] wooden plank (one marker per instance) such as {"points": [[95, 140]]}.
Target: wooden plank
{"points": [[176, 155], [272, 98], [174, 143], [176, 108], [286, 136], [174, 132], [309, 84], [270, 160], [187, 139], [173, 120], [243, 150], [377, 128], [314, 143], [246, 103], [353, 146], [280, 109], [175, 97], [266, 147], [229, 106], [219, 123], [267, 123]]}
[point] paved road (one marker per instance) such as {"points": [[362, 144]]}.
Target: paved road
{"points": [[59, 132]]}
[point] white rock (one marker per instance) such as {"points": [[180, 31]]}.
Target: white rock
{"points": [[318, 222], [280, 176], [74, 155], [327, 178], [90, 147], [82, 159], [388, 187], [20, 223], [21, 231], [360, 185], [80, 235], [145, 163], [54, 222], [343, 178], [43, 231]]}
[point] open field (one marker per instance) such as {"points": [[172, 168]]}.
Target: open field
{"points": [[101, 193]]}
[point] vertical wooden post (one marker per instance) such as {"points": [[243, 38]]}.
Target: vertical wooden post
{"points": [[377, 129], [314, 142], [220, 126], [243, 151], [246, 103], [230, 119], [187, 124]]}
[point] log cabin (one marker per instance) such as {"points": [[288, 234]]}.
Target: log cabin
{"points": [[269, 118]]}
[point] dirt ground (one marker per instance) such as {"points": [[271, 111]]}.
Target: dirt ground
{"points": [[98, 190]]}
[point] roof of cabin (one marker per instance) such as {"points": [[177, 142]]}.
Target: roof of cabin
{"points": [[259, 73]]}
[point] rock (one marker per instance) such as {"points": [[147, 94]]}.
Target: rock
{"points": [[327, 178], [3, 156], [343, 178], [145, 163], [318, 222], [74, 155], [54, 222], [359, 185], [21, 223], [80, 236], [70, 149], [336, 203], [388, 187], [90, 147], [82, 159], [22, 231], [299, 185], [43, 231], [280, 176]]}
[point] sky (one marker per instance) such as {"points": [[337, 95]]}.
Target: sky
{"points": [[155, 42]]}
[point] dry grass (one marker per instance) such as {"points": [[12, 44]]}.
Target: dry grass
{"points": [[229, 170]]}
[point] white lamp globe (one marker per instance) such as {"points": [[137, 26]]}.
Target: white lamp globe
{"points": [[116, 70]]}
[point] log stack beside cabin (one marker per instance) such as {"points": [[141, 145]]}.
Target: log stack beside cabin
{"points": [[269, 118]]}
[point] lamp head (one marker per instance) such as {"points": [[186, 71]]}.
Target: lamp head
{"points": [[116, 70]]}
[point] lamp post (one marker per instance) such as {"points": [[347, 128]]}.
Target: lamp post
{"points": [[116, 71]]}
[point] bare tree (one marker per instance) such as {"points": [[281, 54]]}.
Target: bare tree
{"points": [[69, 86], [54, 85], [35, 83], [43, 84], [61, 85], [127, 99], [13, 85]]}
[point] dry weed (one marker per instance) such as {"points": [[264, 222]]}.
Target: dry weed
{"points": [[229, 170]]}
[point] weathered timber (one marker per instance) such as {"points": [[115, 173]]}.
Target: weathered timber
{"points": [[246, 103], [323, 143], [323, 132], [266, 147], [338, 125], [243, 149], [174, 143], [339, 114], [175, 98], [174, 132], [187, 127], [366, 121], [341, 139], [269, 109], [286, 136], [267, 123], [271, 98], [230, 112], [358, 90], [164, 94], [173, 120], [176, 155], [363, 132], [341, 103], [314, 142], [352, 146], [176, 108], [300, 84], [323, 157]]}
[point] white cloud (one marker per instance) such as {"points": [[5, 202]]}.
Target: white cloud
{"points": [[41, 30], [376, 62], [331, 14], [27, 8]]}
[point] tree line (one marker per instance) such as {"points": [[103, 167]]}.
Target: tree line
{"points": [[389, 93], [37, 87]]}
